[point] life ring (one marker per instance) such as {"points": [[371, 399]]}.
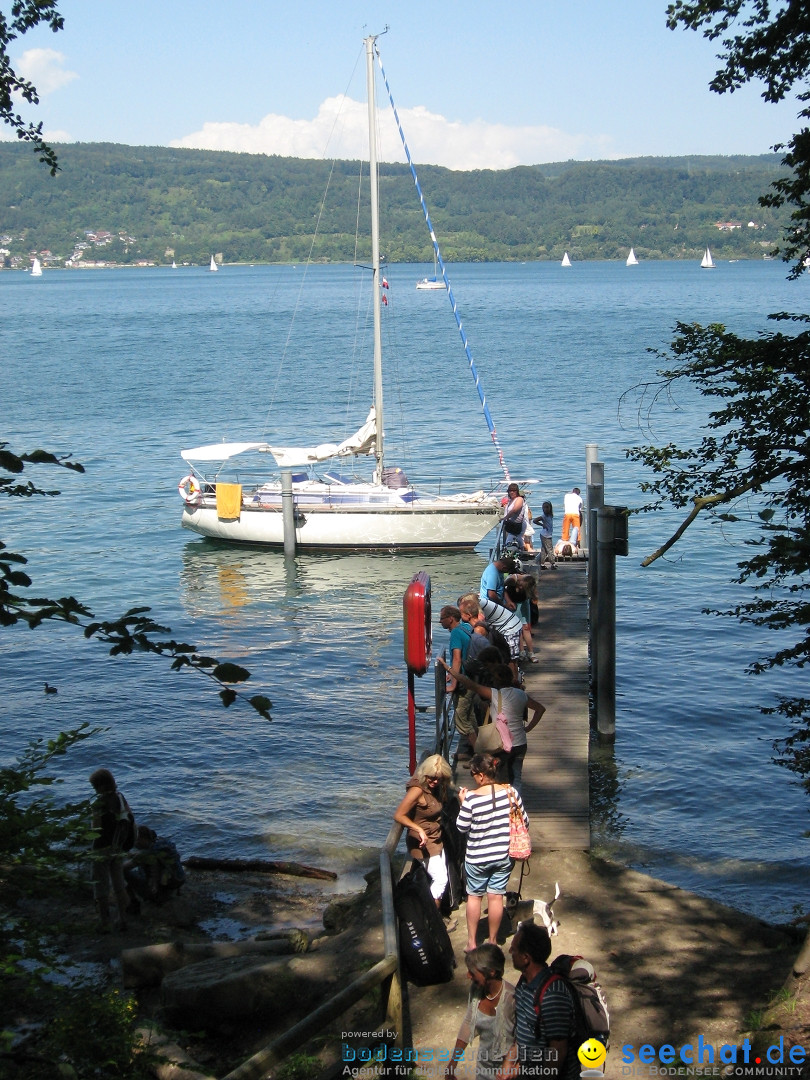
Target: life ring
{"points": [[190, 490]]}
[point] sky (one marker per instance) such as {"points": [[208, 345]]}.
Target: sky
{"points": [[477, 84]]}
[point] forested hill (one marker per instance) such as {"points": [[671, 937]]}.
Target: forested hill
{"points": [[157, 203]]}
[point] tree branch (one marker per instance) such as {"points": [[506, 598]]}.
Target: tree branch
{"points": [[701, 502]]}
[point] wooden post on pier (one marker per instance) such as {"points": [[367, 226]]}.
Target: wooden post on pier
{"points": [[596, 500], [611, 540], [591, 455]]}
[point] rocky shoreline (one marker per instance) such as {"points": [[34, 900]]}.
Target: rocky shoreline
{"points": [[675, 966], [340, 933]]}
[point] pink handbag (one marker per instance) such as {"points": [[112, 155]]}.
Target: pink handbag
{"points": [[502, 725], [520, 843]]}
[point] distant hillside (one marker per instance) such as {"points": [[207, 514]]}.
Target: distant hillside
{"points": [[156, 203]]}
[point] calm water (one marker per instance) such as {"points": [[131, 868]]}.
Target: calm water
{"points": [[123, 368]]}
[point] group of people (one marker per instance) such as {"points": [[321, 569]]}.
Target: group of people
{"points": [[490, 635], [525, 1028], [131, 863], [482, 817], [519, 526], [516, 1027]]}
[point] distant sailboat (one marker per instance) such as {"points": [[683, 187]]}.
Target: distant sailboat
{"points": [[565, 260], [174, 265], [631, 258], [707, 262], [432, 283], [213, 265], [36, 268]]}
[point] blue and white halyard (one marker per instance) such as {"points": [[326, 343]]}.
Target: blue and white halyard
{"points": [[332, 511], [440, 262]]}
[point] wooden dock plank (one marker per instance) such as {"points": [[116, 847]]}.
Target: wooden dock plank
{"points": [[555, 772]]}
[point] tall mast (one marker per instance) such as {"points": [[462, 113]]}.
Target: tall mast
{"points": [[375, 254]]}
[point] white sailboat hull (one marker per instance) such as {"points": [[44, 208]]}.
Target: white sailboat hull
{"points": [[430, 283], [440, 524]]}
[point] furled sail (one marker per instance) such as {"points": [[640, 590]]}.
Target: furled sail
{"points": [[362, 442]]}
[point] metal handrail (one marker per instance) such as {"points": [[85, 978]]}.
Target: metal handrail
{"points": [[386, 973]]}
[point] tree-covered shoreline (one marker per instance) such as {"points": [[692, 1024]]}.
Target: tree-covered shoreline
{"points": [[157, 204]]}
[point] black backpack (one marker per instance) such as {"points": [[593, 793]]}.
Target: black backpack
{"points": [[591, 1016], [424, 944]]}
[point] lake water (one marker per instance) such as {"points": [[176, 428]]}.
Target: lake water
{"points": [[123, 368]]}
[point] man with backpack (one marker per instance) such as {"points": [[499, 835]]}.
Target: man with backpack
{"points": [[544, 1006]]}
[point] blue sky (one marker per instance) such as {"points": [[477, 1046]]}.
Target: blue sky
{"points": [[477, 84]]}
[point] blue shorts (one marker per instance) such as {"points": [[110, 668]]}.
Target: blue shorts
{"points": [[488, 877]]}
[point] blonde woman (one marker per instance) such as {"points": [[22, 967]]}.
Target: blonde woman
{"points": [[420, 812]]}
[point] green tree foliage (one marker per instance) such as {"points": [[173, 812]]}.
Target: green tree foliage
{"points": [[25, 15], [770, 43], [259, 208], [753, 465]]}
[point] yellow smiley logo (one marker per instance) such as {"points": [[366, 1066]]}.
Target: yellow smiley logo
{"points": [[592, 1054]]}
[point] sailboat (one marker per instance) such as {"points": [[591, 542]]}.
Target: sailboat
{"points": [[565, 260], [707, 262], [631, 258], [36, 268], [213, 267], [331, 510], [434, 282]]}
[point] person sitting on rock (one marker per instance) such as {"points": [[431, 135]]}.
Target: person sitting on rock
{"points": [[154, 872]]}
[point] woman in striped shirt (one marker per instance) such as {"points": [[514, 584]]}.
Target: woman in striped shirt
{"points": [[484, 816]]}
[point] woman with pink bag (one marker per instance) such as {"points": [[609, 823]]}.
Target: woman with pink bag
{"points": [[485, 816]]}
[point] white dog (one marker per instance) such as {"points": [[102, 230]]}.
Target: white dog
{"points": [[544, 911]]}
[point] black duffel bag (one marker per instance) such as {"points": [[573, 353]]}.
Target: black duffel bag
{"points": [[424, 944]]}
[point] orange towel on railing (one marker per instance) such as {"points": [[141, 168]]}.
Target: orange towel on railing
{"points": [[229, 501]]}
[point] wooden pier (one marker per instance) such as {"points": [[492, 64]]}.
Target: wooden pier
{"points": [[555, 772]]}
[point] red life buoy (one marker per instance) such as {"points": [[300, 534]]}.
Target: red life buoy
{"points": [[190, 490]]}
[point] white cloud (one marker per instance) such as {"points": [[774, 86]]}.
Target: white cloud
{"points": [[44, 68], [49, 135], [56, 136], [340, 131]]}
